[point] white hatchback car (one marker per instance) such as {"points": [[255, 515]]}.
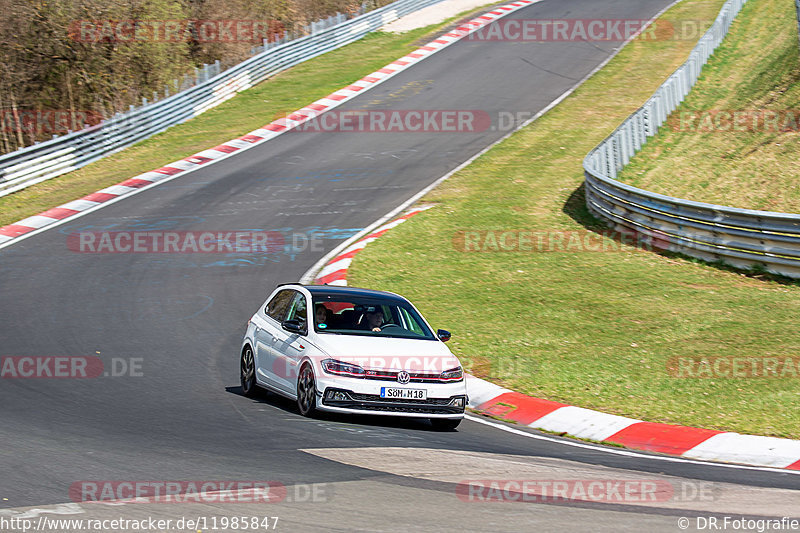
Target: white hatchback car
{"points": [[350, 350]]}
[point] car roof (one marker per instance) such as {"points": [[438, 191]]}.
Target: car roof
{"points": [[336, 290]]}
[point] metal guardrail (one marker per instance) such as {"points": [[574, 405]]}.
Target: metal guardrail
{"points": [[49, 159], [743, 238], [797, 9]]}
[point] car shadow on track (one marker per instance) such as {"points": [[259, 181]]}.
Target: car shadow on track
{"points": [[276, 400]]}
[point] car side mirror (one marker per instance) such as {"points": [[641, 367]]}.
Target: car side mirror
{"points": [[443, 335], [294, 326]]}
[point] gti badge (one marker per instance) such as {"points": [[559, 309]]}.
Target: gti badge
{"points": [[403, 377]]}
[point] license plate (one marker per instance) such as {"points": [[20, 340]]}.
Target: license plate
{"points": [[404, 394]]}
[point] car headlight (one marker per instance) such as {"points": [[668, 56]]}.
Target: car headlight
{"points": [[454, 374], [340, 368]]}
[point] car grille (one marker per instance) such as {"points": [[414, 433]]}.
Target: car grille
{"points": [[416, 377], [403, 409]]}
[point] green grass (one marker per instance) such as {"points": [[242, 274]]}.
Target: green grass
{"points": [[250, 110], [755, 68], [589, 328]]}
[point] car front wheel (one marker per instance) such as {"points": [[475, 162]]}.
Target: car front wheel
{"points": [[247, 373], [306, 391]]}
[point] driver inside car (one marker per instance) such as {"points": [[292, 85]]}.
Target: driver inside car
{"points": [[373, 319]]}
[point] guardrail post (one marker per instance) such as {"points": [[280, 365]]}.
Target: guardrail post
{"points": [[797, 11]]}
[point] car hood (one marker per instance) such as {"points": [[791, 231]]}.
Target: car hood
{"points": [[389, 353]]}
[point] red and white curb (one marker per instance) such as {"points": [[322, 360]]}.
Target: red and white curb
{"points": [[60, 214], [682, 441]]}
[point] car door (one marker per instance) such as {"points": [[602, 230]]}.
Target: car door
{"points": [[268, 325], [289, 347]]}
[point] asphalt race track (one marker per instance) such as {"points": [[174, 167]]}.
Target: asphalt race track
{"points": [[182, 316]]}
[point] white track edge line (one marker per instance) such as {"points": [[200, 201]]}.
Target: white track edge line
{"points": [[626, 453]]}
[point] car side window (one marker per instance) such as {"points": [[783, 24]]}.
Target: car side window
{"points": [[277, 307], [298, 309], [411, 324]]}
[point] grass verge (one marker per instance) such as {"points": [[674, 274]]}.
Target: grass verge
{"points": [[251, 109], [588, 328], [702, 154]]}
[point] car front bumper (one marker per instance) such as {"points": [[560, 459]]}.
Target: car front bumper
{"points": [[362, 396]]}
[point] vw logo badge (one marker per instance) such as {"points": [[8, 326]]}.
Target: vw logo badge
{"points": [[403, 377]]}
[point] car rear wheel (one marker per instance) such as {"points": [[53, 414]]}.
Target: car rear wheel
{"points": [[247, 373], [445, 424], [306, 391]]}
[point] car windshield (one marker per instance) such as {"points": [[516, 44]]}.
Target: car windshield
{"points": [[368, 316]]}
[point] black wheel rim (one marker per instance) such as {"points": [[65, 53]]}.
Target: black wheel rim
{"points": [[305, 390], [248, 370]]}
